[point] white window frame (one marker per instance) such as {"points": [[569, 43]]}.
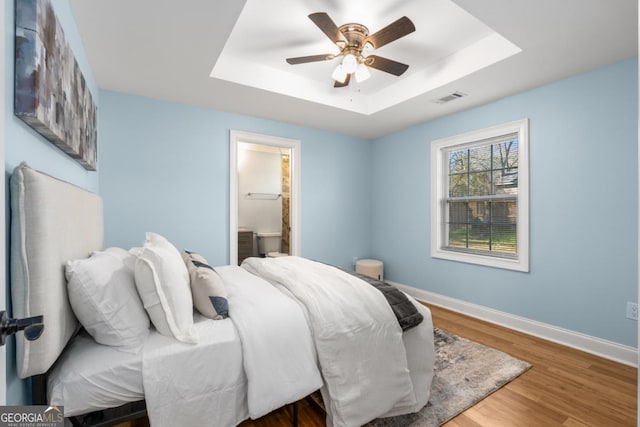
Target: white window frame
{"points": [[439, 191]]}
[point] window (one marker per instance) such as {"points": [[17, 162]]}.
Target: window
{"points": [[480, 197]]}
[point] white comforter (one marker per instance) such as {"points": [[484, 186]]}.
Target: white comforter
{"points": [[191, 385], [358, 340], [195, 384], [277, 350]]}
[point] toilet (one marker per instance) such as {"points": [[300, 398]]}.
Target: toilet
{"points": [[269, 245]]}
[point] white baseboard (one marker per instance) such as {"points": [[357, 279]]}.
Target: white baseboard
{"points": [[597, 346]]}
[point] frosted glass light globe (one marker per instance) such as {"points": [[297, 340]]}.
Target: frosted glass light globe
{"points": [[349, 63], [339, 74]]}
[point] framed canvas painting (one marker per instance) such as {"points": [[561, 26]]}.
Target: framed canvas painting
{"points": [[51, 94]]}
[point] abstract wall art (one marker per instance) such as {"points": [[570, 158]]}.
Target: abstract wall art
{"points": [[51, 94]]}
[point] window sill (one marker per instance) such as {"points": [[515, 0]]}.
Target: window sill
{"points": [[515, 264]]}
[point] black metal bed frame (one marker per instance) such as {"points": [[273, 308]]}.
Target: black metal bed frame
{"points": [[104, 418]]}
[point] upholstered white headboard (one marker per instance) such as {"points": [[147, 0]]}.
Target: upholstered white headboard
{"points": [[52, 221]]}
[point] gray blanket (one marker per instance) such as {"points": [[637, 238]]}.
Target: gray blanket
{"points": [[404, 310]]}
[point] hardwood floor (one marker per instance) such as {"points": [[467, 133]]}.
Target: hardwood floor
{"points": [[308, 416], [565, 387]]}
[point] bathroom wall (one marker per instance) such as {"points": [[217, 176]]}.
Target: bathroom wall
{"points": [[259, 172], [285, 245]]}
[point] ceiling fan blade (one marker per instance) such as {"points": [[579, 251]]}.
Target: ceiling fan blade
{"points": [[346, 82], [386, 65], [391, 32], [326, 24], [312, 58]]}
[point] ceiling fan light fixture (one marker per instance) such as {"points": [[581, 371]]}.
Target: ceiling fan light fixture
{"points": [[362, 73], [339, 74], [349, 63], [350, 41]]}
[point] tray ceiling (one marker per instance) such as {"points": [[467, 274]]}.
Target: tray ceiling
{"points": [[230, 54]]}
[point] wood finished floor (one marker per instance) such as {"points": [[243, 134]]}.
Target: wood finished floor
{"points": [[565, 387]]}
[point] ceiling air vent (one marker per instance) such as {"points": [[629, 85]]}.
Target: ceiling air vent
{"points": [[445, 99]]}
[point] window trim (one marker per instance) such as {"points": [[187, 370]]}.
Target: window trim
{"points": [[439, 188]]}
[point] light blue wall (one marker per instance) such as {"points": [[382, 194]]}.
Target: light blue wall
{"points": [[165, 168], [583, 167], [24, 144]]}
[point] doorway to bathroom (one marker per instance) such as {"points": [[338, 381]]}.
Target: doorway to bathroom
{"points": [[264, 196]]}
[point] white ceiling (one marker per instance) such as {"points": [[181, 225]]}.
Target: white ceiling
{"points": [[489, 49]]}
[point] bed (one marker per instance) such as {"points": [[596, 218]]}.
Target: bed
{"points": [[237, 368]]}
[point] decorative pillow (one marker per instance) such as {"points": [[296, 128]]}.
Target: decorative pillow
{"points": [[207, 289], [162, 280], [103, 296]]}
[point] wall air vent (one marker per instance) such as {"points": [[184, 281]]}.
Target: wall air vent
{"points": [[445, 99]]}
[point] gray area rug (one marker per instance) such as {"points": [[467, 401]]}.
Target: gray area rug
{"points": [[465, 373]]}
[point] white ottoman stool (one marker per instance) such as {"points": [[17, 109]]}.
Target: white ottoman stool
{"points": [[370, 267]]}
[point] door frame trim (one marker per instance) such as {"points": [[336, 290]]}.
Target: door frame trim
{"points": [[237, 136]]}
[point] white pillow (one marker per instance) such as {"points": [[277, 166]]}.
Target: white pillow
{"points": [[162, 280], [103, 296]]}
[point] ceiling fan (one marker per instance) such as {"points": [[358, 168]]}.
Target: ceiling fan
{"points": [[352, 40]]}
